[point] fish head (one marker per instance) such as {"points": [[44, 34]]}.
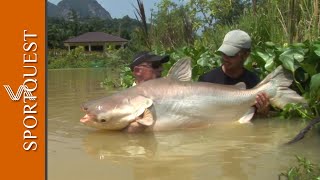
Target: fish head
{"points": [[116, 112]]}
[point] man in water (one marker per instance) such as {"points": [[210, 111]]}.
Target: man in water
{"points": [[146, 66]]}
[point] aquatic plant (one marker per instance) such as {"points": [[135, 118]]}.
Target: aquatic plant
{"points": [[304, 170]]}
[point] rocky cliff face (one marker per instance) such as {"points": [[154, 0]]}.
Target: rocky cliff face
{"points": [[52, 10], [83, 8]]}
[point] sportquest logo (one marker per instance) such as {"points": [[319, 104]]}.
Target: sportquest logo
{"points": [[27, 91], [22, 89]]}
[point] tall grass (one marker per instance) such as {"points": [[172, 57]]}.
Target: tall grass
{"points": [[283, 21]]}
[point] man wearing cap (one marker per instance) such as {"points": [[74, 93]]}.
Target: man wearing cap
{"points": [[234, 50], [146, 66]]}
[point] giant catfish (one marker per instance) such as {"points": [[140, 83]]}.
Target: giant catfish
{"points": [[175, 102]]}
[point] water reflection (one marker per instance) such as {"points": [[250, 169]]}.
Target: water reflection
{"points": [[233, 152], [117, 146]]}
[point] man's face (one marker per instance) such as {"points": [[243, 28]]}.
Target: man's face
{"points": [[150, 70], [236, 61]]}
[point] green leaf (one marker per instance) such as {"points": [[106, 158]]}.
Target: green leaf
{"points": [[315, 83], [301, 45], [270, 65], [297, 54], [204, 59], [309, 68], [292, 173], [203, 62], [289, 64], [289, 58], [266, 56], [270, 44], [317, 50]]}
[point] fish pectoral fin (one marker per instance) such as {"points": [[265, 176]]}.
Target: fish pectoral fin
{"points": [[147, 118], [247, 116], [181, 70], [140, 104]]}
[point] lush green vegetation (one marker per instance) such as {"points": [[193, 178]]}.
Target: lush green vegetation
{"points": [[305, 169], [79, 58], [60, 29]]}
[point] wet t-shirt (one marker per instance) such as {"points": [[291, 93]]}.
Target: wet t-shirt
{"points": [[218, 76]]}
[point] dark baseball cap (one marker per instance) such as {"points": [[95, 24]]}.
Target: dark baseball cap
{"points": [[145, 56]]}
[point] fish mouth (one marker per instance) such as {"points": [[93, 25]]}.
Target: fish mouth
{"points": [[85, 119]]}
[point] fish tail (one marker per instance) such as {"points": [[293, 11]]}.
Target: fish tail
{"points": [[278, 82]]}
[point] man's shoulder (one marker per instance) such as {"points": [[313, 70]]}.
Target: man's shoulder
{"points": [[251, 74], [214, 73], [251, 79]]}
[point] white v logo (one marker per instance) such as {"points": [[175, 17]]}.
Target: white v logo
{"points": [[17, 96]]}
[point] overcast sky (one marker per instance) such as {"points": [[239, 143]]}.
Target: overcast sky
{"points": [[120, 8]]}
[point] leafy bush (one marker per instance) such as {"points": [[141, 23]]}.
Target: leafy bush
{"points": [[79, 58], [302, 60], [305, 170]]}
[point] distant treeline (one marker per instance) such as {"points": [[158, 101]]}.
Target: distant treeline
{"points": [[60, 29]]}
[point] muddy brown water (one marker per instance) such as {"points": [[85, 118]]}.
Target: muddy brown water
{"points": [[232, 152]]}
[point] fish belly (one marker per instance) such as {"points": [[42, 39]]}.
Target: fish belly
{"points": [[196, 112]]}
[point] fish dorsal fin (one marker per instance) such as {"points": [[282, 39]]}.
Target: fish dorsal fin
{"points": [[181, 70], [241, 85]]}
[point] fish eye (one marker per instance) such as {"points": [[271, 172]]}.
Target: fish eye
{"points": [[103, 120]]}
